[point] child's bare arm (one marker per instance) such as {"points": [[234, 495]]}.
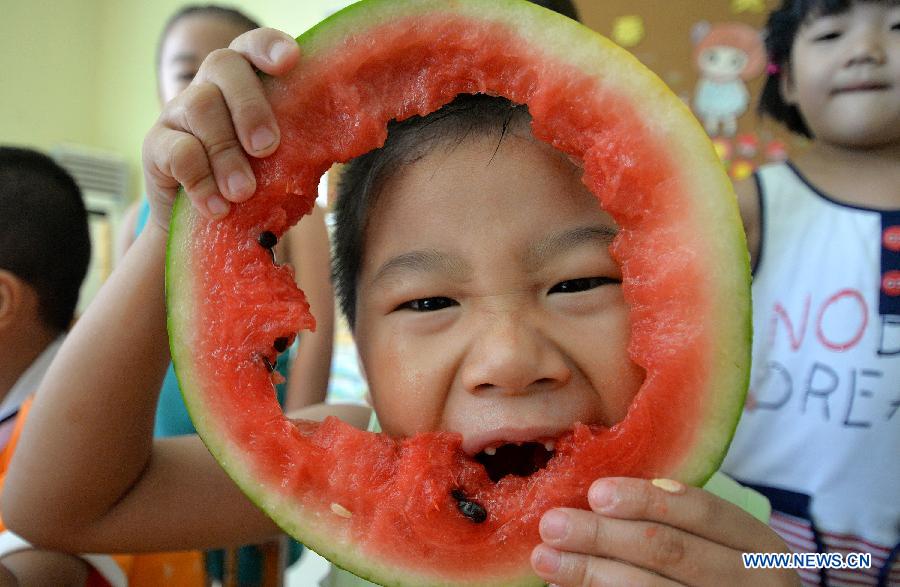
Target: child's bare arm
{"points": [[310, 254], [127, 231], [748, 201], [36, 567], [87, 475], [638, 533]]}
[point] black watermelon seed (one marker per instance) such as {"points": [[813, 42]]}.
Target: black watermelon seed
{"points": [[270, 366], [267, 239], [281, 344], [470, 509]]}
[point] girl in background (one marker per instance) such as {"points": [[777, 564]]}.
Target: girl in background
{"points": [[188, 37], [820, 432]]}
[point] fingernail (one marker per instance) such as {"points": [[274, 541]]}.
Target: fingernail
{"points": [[278, 50], [554, 525], [602, 496], [546, 560], [669, 485], [217, 206], [262, 138], [239, 184]]}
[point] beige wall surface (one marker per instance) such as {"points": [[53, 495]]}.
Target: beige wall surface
{"points": [[49, 79]]}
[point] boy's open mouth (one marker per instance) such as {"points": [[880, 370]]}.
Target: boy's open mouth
{"points": [[515, 458]]}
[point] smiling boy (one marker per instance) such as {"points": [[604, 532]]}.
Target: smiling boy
{"points": [[512, 330]]}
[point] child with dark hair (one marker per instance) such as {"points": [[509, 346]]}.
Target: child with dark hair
{"points": [[541, 321], [821, 430], [44, 253], [45, 249], [189, 35]]}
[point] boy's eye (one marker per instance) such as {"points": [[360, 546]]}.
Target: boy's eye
{"points": [[582, 284], [428, 304], [187, 76]]}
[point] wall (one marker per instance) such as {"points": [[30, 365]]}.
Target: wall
{"points": [[48, 71]]}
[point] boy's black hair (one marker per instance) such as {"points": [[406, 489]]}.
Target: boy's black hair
{"points": [[231, 14], [44, 237], [564, 7], [781, 29], [362, 178]]}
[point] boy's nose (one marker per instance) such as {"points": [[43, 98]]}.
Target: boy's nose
{"points": [[513, 357]]}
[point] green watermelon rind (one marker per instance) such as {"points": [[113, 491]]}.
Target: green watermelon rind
{"points": [[581, 48]]}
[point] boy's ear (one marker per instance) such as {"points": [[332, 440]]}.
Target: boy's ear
{"points": [[12, 297]]}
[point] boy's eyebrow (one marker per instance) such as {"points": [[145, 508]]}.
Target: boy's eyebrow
{"points": [[545, 250], [424, 261]]}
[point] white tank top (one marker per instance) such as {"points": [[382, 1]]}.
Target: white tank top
{"points": [[820, 434]]}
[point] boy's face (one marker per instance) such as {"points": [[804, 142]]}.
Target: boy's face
{"points": [[488, 303]]}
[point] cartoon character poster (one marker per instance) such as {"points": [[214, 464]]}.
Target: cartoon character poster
{"points": [[727, 55]]}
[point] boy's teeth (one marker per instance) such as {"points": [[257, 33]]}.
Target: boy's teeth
{"points": [[549, 445]]}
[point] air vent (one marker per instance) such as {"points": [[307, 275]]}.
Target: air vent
{"points": [[94, 170]]}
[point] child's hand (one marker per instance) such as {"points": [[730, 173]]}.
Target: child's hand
{"points": [[659, 533], [202, 138]]}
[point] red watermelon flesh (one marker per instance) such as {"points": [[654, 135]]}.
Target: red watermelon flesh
{"points": [[384, 508]]}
